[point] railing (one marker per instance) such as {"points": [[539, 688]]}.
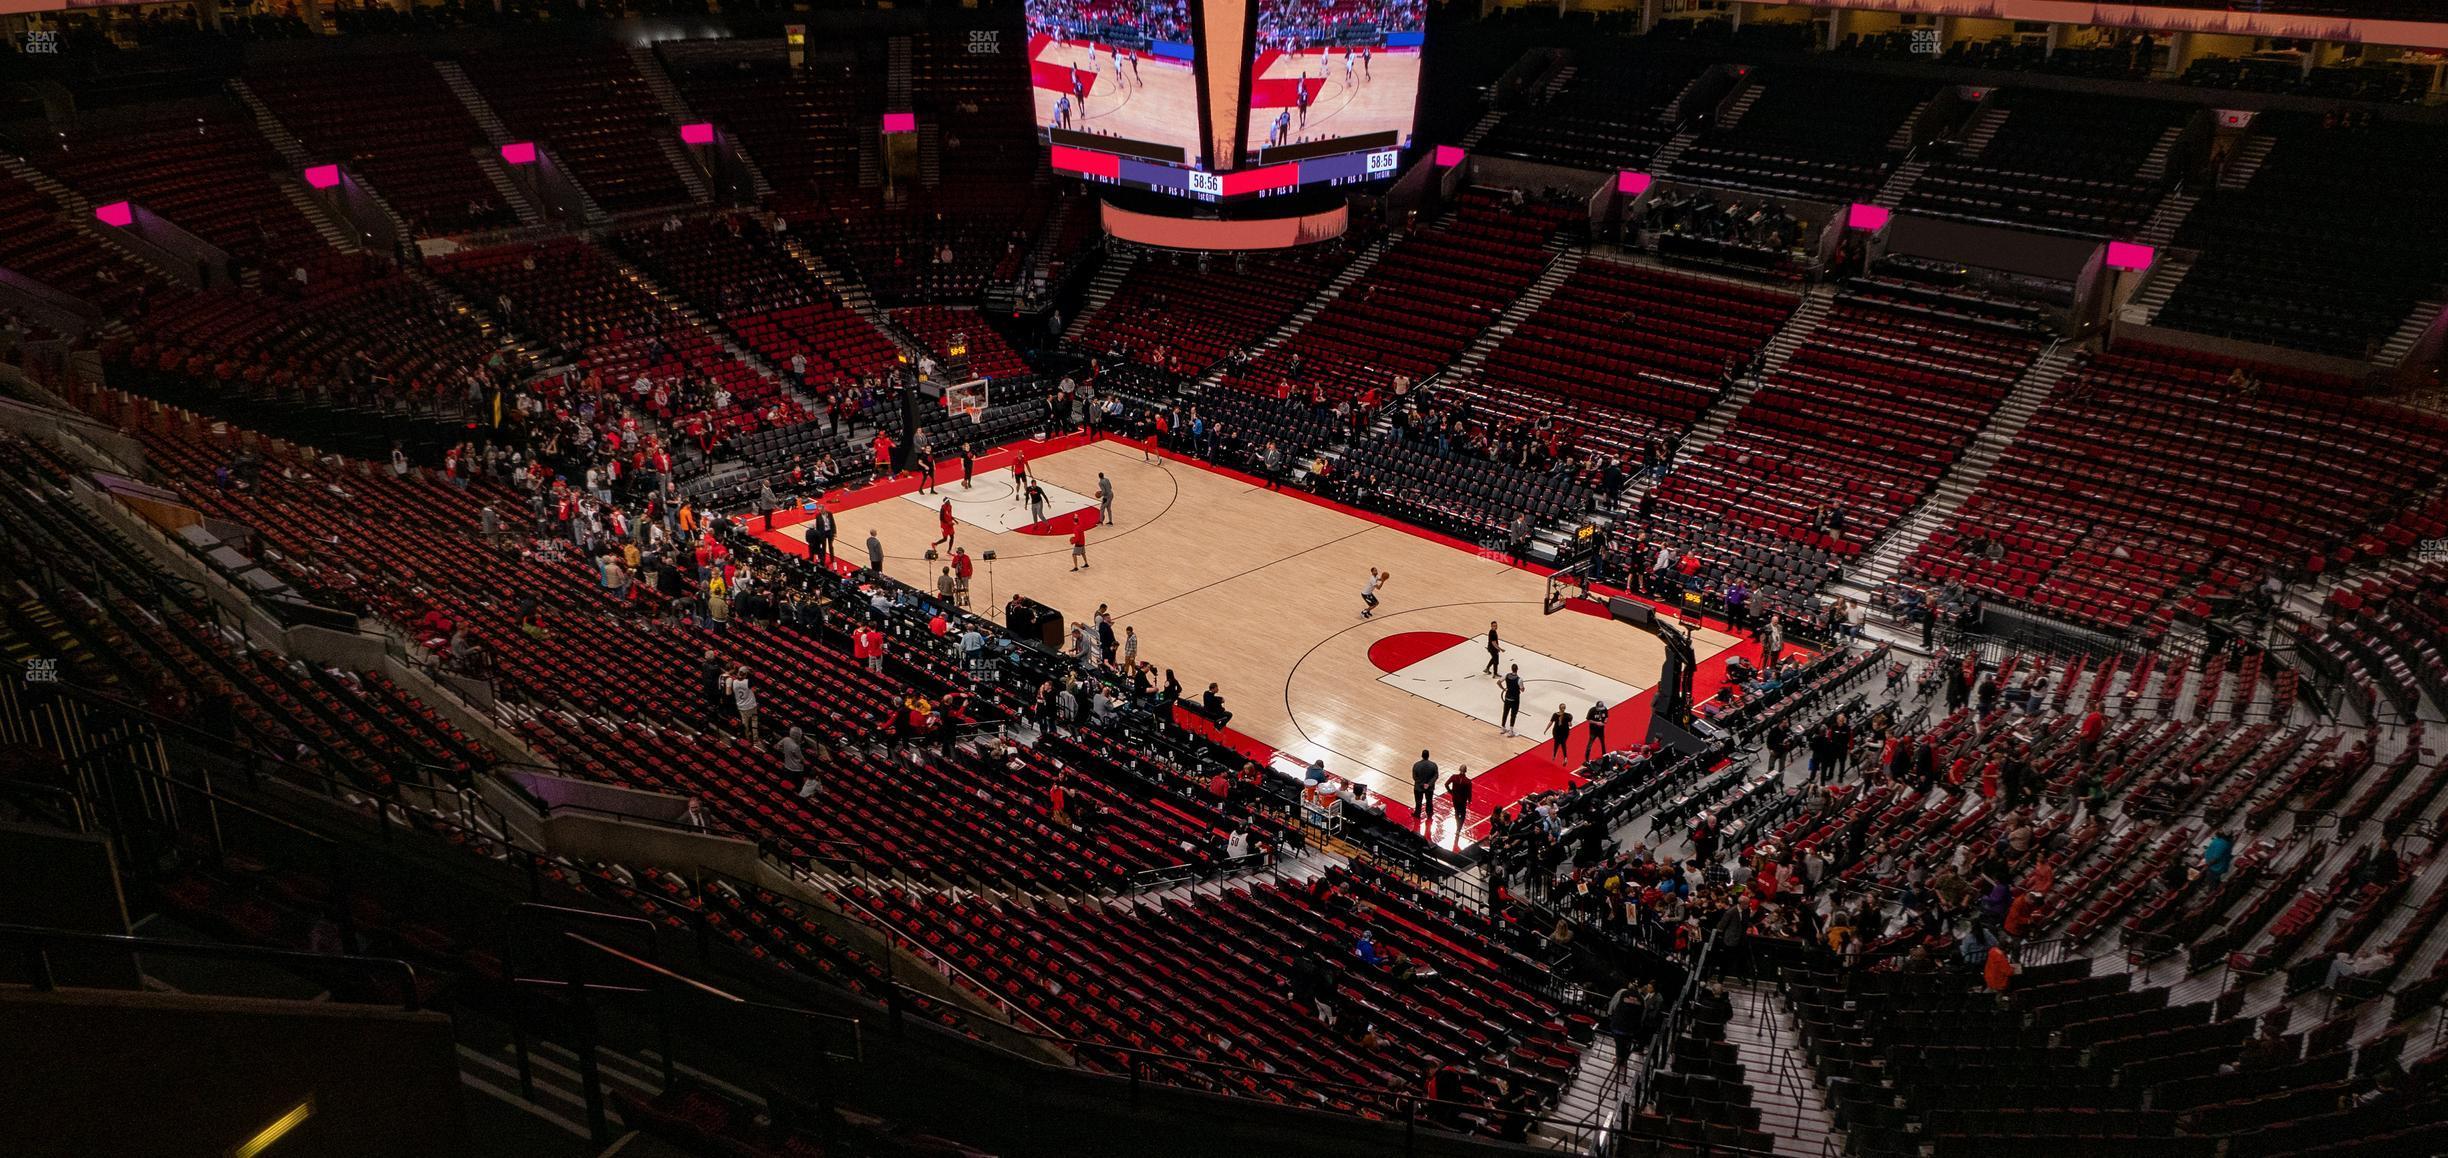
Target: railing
{"points": [[664, 989], [37, 944]]}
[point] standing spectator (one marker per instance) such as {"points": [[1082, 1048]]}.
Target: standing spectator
{"points": [[875, 552], [1423, 791], [743, 695]]}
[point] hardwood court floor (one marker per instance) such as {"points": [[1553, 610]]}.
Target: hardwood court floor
{"points": [[1259, 591]]}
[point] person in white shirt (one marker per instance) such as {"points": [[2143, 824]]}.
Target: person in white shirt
{"points": [[743, 695]]}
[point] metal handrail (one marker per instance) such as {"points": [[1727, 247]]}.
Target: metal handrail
{"points": [[37, 941]]}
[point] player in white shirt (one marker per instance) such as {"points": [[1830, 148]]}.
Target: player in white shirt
{"points": [[1368, 594]]}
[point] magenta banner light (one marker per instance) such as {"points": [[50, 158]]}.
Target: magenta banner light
{"points": [[519, 152], [118, 213], [1632, 184], [900, 122], [1863, 215], [322, 176], [2130, 255], [701, 133], [1448, 156]]}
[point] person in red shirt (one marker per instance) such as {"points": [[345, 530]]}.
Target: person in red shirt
{"points": [[2094, 726], [943, 520], [883, 456], [962, 569], [1079, 543]]}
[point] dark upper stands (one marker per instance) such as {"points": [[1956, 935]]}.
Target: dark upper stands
{"points": [[391, 120], [2059, 161], [800, 125], [1611, 115], [209, 173], [590, 106], [1806, 133], [2328, 245]]}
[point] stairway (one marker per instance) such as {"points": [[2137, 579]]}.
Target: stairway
{"points": [[1351, 275], [1902, 140], [548, 360], [1980, 132], [849, 291], [1776, 1065], [870, 158], [2030, 392], [1593, 1100], [319, 214], [456, 78], [2168, 218], [897, 72], [1557, 82], [1486, 124], [1040, 264], [2163, 152], [1563, 259], [1733, 113], [588, 211], [1119, 261], [1816, 302], [692, 175], [506, 187], [1679, 109], [2246, 161], [554, 1090], [930, 154], [2418, 322], [659, 82], [282, 140], [1899, 183], [688, 310], [1666, 157], [2164, 278], [80, 216]]}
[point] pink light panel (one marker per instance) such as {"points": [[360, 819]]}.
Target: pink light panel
{"points": [[701, 133], [117, 213], [1632, 184], [1863, 215], [323, 176], [900, 122], [519, 153], [2130, 255], [1448, 156]]}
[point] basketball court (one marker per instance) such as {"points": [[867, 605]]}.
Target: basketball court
{"points": [[1154, 99], [1382, 97], [1258, 591]]}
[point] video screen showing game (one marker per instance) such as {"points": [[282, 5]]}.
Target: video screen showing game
{"points": [[1115, 75], [1333, 76]]}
